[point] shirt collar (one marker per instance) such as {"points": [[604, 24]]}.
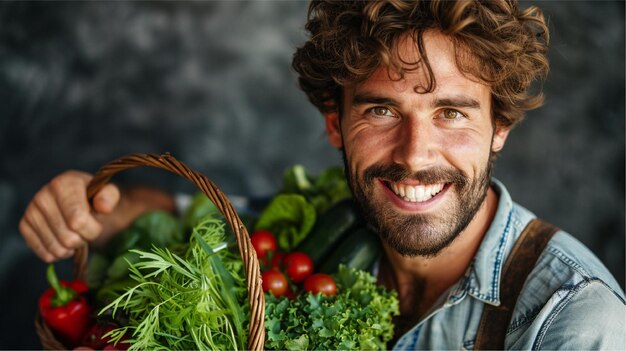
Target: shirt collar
{"points": [[482, 279]]}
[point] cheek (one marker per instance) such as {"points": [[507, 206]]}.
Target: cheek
{"points": [[466, 150], [365, 146]]}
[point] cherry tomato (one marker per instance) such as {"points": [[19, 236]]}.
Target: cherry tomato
{"points": [[277, 260], [320, 283], [263, 241], [298, 266], [274, 282]]}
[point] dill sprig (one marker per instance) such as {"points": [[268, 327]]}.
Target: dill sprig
{"points": [[197, 301]]}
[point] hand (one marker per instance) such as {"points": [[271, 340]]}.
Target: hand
{"points": [[59, 218]]}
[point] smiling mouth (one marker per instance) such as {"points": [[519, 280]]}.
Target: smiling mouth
{"points": [[415, 193]]}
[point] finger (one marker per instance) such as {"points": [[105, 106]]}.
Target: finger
{"points": [[70, 193], [37, 222], [46, 235], [47, 205], [33, 241], [106, 199]]}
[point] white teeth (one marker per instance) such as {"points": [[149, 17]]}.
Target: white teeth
{"points": [[409, 192], [399, 190], [417, 193], [433, 191], [420, 192]]}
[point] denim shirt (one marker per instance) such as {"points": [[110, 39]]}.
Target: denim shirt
{"points": [[569, 301]]}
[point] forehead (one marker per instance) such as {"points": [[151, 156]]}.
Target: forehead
{"points": [[442, 57]]}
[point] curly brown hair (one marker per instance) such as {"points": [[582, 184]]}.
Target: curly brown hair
{"points": [[349, 40]]}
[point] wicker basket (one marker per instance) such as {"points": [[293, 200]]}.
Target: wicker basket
{"points": [[256, 335]]}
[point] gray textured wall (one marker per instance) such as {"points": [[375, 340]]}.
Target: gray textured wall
{"points": [[83, 83]]}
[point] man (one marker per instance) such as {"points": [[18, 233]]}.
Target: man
{"points": [[420, 98]]}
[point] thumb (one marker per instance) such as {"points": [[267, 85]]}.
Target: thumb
{"points": [[106, 199]]}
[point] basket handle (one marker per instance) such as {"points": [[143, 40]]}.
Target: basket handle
{"points": [[256, 296]]}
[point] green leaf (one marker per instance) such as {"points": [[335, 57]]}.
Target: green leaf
{"points": [[162, 229], [98, 266], [345, 321], [124, 241], [296, 180], [189, 301], [158, 228], [119, 267], [290, 218], [199, 208], [297, 344], [227, 288], [332, 185], [328, 188]]}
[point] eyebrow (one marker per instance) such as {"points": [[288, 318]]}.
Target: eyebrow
{"points": [[366, 98], [461, 101], [458, 101]]}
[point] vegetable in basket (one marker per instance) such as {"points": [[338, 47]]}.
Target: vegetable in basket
{"points": [[291, 214], [330, 227], [64, 309], [97, 338], [199, 208], [322, 191], [306, 310], [196, 298], [109, 273], [193, 301], [264, 244], [290, 217], [357, 317]]}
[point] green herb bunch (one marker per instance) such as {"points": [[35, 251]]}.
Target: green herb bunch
{"points": [[359, 317], [322, 190], [189, 302]]}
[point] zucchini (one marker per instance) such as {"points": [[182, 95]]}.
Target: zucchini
{"points": [[359, 249], [329, 228]]}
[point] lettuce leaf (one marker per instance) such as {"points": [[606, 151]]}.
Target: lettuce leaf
{"points": [[290, 218]]}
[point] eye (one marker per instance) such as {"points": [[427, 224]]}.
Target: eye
{"points": [[451, 115], [380, 111]]}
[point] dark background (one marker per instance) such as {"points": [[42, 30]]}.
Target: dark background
{"points": [[82, 83]]}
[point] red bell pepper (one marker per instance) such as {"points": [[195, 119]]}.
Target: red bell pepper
{"points": [[64, 309]]}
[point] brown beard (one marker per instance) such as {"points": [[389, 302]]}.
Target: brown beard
{"points": [[419, 234]]}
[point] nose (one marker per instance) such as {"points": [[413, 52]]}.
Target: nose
{"points": [[416, 146]]}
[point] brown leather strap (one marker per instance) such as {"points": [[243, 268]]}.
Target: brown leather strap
{"points": [[521, 261]]}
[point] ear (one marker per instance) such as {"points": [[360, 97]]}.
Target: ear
{"points": [[333, 129], [499, 138]]}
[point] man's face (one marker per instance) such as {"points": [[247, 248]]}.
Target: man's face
{"points": [[418, 163]]}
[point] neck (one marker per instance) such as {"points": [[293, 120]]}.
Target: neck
{"points": [[420, 281]]}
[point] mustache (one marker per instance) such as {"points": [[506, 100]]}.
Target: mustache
{"points": [[397, 173]]}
